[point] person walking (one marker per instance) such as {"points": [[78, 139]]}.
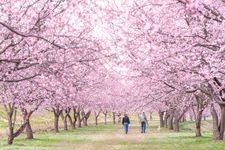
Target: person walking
{"points": [[143, 121], [126, 122]]}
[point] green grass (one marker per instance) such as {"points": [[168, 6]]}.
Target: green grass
{"points": [[47, 140], [111, 137], [107, 137]]}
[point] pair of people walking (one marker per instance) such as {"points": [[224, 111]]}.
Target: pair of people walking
{"points": [[143, 122]]}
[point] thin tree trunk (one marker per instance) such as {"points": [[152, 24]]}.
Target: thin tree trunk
{"points": [[161, 119], [222, 122], [71, 122], [65, 123], [79, 120], [114, 118], [67, 116], [96, 120], [218, 125], [10, 126], [105, 114], [57, 113], [171, 122], [56, 123], [166, 117], [96, 117], [105, 118], [119, 118], [87, 115], [176, 125], [84, 119], [29, 130], [10, 138], [198, 131], [64, 119], [216, 133], [75, 115], [198, 124]]}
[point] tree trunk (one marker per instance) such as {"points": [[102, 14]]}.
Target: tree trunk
{"points": [[198, 131], [166, 117], [11, 115], [10, 139], [171, 122], [56, 123], [10, 124], [75, 115], [86, 116], [198, 124], [222, 122], [96, 117], [96, 120], [105, 118], [216, 133], [56, 120], [67, 112], [85, 121], [65, 123], [176, 125], [119, 118], [57, 113], [83, 118], [79, 120], [71, 122], [29, 131], [161, 119], [114, 118], [64, 119], [105, 114], [177, 118], [221, 125]]}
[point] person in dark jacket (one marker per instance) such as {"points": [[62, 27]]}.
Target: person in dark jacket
{"points": [[126, 122]]}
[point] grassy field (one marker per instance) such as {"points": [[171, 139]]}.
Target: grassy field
{"points": [[111, 137]]}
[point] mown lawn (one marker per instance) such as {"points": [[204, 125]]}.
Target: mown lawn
{"points": [[111, 137]]}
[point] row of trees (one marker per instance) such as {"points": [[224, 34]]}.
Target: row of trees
{"points": [[50, 59], [176, 48]]}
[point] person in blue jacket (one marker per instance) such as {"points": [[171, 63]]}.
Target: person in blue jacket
{"points": [[126, 122]]}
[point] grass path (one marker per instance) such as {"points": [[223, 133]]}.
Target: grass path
{"points": [[112, 137]]}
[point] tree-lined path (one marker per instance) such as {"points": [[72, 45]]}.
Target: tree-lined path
{"points": [[72, 61]]}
